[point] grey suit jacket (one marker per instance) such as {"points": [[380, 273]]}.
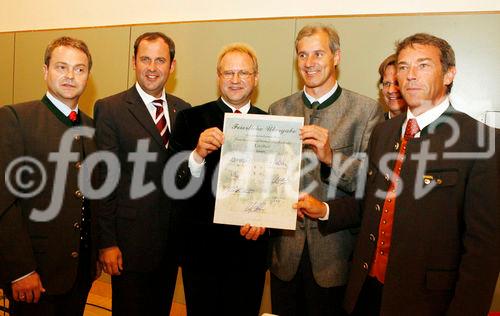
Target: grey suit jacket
{"points": [[350, 120], [138, 226], [50, 247]]}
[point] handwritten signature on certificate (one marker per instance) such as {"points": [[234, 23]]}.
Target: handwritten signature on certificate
{"points": [[259, 171]]}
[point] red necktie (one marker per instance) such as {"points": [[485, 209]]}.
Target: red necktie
{"points": [[73, 116], [381, 258], [161, 121], [237, 111]]}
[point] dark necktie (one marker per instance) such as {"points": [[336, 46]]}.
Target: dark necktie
{"points": [[237, 112], [379, 266], [314, 117], [161, 121]]}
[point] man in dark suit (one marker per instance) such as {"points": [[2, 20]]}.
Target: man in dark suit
{"points": [[223, 266], [389, 87], [47, 256], [134, 219], [429, 237]]}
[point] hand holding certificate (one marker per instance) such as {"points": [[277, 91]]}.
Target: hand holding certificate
{"points": [[259, 171]]}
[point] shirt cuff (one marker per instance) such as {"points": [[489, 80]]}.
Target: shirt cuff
{"points": [[23, 277], [194, 167], [327, 215]]}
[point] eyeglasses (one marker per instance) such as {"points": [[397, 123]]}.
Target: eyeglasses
{"points": [[242, 74], [388, 84]]}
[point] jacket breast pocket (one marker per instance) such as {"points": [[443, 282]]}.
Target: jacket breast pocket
{"points": [[440, 178], [346, 149]]}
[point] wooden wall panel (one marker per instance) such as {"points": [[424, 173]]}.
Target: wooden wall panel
{"points": [[6, 67]]}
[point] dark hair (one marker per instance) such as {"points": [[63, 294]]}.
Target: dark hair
{"points": [[69, 42], [151, 36], [447, 55], [389, 61]]}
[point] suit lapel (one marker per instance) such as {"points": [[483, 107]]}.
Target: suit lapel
{"points": [[172, 110], [253, 110], [88, 143], [138, 109]]}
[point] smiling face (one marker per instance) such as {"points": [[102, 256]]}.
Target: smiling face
{"points": [[390, 91], [316, 63], [237, 78], [421, 78], [153, 66], [67, 74]]}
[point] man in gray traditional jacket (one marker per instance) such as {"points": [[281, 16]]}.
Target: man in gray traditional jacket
{"points": [[309, 270]]}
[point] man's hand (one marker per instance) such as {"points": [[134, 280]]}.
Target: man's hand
{"points": [[252, 232], [98, 270], [28, 289], [317, 138], [209, 141], [111, 260], [309, 206]]}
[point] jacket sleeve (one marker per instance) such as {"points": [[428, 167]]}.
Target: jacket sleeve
{"points": [[16, 251], [346, 168], [480, 260], [106, 137]]}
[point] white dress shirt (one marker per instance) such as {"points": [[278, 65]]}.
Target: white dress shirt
{"points": [[324, 97], [148, 100], [426, 118]]}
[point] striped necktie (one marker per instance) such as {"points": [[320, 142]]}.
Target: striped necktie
{"points": [[161, 121]]}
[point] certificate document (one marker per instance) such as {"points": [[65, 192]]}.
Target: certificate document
{"points": [[259, 171]]}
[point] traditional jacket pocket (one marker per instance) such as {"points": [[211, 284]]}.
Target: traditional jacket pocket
{"points": [[441, 178]]}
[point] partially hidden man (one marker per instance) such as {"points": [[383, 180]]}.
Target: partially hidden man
{"points": [[48, 262]]}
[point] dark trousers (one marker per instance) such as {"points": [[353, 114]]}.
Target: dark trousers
{"points": [[71, 303], [144, 293], [302, 296], [224, 280], [369, 299]]}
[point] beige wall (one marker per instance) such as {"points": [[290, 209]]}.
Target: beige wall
{"points": [[49, 14], [6, 67], [198, 45], [365, 41], [109, 48]]}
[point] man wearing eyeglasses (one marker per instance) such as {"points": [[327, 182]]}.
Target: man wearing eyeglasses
{"points": [[309, 269], [223, 266], [389, 88]]}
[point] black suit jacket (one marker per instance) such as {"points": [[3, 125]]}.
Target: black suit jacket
{"points": [[137, 225], [202, 239], [444, 257], [52, 247]]}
